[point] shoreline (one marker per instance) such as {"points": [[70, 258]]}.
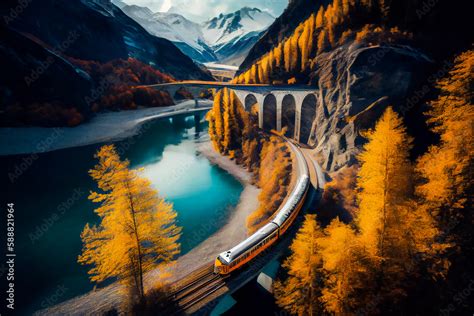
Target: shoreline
{"points": [[225, 238], [225, 163], [111, 126]]}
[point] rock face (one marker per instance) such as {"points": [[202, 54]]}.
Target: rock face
{"points": [[357, 84]]}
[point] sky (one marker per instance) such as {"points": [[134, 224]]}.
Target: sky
{"points": [[202, 10]]}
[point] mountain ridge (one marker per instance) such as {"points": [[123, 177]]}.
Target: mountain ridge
{"points": [[215, 40]]}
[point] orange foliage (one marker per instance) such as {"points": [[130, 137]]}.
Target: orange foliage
{"points": [[331, 26], [117, 79], [234, 133], [273, 179], [43, 114]]}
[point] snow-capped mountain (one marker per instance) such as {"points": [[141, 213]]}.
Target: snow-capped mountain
{"points": [[226, 38], [183, 33], [226, 28], [233, 35]]}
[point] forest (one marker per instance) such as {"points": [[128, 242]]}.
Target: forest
{"points": [[401, 239], [112, 89], [341, 22]]}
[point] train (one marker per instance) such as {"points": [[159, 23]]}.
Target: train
{"points": [[232, 259]]}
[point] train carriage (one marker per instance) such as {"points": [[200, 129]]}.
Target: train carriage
{"points": [[263, 238]]}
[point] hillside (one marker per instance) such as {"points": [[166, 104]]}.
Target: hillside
{"points": [[284, 25], [36, 55], [226, 38], [106, 34], [363, 56]]}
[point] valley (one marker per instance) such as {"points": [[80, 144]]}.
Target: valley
{"points": [[252, 157]]}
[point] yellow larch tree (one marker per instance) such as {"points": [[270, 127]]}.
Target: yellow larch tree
{"points": [[304, 42], [260, 72], [271, 65], [447, 167], [295, 51], [399, 236], [299, 293], [322, 41], [384, 179], [137, 230], [216, 123], [278, 53], [265, 69], [446, 170], [228, 121], [345, 269], [320, 18], [287, 54], [247, 77]]}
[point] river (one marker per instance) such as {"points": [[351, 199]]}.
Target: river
{"points": [[51, 205]]}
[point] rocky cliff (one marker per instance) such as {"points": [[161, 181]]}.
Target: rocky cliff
{"points": [[356, 83]]}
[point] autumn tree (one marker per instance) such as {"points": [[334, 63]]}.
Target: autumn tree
{"points": [[227, 120], [287, 55], [137, 229], [278, 53], [299, 293], [320, 18], [447, 167], [397, 235], [346, 270], [446, 171], [273, 179], [384, 178]]}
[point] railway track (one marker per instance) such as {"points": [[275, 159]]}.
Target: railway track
{"points": [[190, 291], [203, 283]]}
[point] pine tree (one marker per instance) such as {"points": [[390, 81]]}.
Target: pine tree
{"points": [[295, 51], [304, 43], [322, 41], [299, 293], [279, 58], [215, 118], [228, 121], [260, 72], [137, 230]]}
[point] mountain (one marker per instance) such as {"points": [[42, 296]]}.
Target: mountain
{"points": [[226, 38], [233, 35], [186, 35], [104, 33], [88, 60]]}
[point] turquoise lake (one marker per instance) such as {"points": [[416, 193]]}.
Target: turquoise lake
{"points": [[51, 205]]}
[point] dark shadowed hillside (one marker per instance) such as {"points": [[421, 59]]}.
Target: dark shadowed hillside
{"points": [[104, 33], [361, 56], [297, 11], [47, 46]]}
